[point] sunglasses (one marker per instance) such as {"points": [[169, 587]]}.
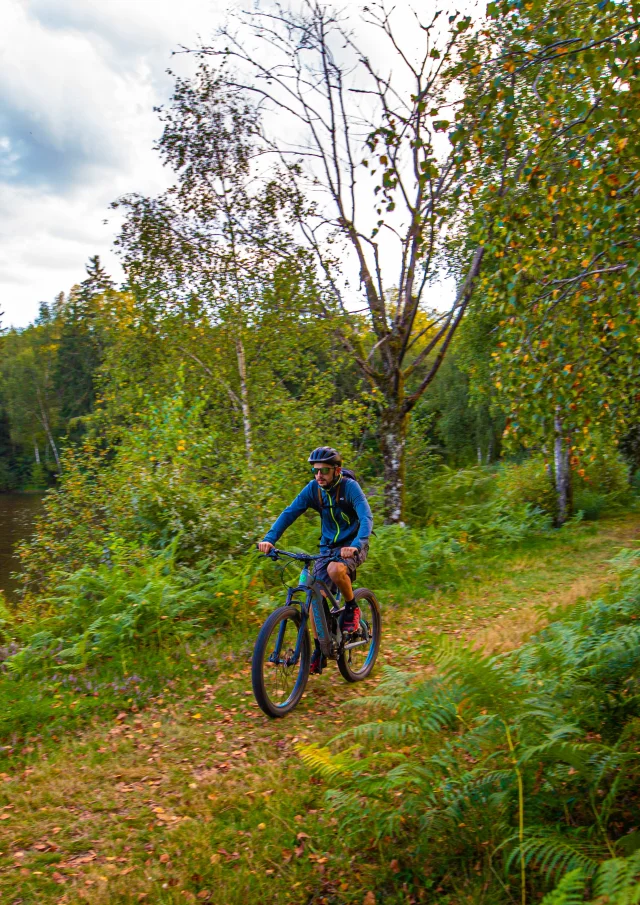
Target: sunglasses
{"points": [[323, 471]]}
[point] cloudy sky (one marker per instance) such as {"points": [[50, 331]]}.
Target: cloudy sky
{"points": [[78, 83]]}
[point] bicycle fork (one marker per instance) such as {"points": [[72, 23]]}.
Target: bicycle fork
{"points": [[275, 656]]}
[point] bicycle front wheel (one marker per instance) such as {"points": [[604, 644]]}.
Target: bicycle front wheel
{"points": [[278, 680], [360, 654]]}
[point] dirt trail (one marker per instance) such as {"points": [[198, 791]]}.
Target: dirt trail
{"points": [[176, 801]]}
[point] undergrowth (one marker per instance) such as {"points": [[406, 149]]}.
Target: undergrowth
{"points": [[507, 774]]}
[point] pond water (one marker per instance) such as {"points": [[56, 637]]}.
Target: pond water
{"points": [[17, 512]]}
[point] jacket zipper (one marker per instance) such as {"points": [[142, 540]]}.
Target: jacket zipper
{"points": [[334, 518]]}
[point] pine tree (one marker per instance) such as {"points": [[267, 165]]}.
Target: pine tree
{"points": [[80, 351]]}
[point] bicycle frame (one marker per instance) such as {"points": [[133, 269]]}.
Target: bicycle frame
{"points": [[315, 595]]}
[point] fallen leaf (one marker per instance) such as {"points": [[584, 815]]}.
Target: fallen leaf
{"points": [[164, 858], [83, 858], [369, 899], [204, 893]]}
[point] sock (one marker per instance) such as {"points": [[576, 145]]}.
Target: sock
{"points": [[350, 604]]}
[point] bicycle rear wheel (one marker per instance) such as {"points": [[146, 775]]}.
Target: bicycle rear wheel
{"points": [[278, 683], [356, 662]]}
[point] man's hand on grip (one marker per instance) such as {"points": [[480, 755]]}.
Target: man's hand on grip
{"points": [[265, 547]]}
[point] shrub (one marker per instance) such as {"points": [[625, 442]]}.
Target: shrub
{"points": [[590, 503], [135, 600], [606, 472], [528, 482]]}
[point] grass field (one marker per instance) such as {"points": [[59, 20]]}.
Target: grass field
{"points": [[172, 787]]}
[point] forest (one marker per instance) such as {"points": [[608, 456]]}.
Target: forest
{"points": [[285, 292]]}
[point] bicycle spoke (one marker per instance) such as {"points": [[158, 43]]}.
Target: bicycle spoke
{"points": [[280, 673]]}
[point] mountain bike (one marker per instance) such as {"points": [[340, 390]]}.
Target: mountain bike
{"points": [[282, 652]]}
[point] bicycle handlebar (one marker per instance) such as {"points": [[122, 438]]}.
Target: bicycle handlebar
{"points": [[275, 554]]}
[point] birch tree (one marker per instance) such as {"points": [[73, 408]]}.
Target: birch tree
{"points": [[207, 245], [560, 280], [362, 142]]}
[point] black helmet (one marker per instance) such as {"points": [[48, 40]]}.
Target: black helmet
{"points": [[326, 455]]}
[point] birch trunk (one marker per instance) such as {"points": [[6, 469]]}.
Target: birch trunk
{"points": [[45, 423], [393, 429], [244, 399], [563, 471]]}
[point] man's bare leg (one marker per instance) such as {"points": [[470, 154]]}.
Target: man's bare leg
{"points": [[339, 575]]}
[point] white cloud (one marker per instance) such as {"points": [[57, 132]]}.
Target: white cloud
{"points": [[77, 89]]}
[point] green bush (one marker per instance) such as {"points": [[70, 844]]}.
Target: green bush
{"points": [[135, 600], [528, 482], [591, 504], [606, 472], [602, 486]]}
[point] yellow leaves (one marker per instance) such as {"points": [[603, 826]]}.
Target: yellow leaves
{"points": [[622, 144]]}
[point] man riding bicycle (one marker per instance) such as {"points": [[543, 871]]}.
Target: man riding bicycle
{"points": [[346, 528]]}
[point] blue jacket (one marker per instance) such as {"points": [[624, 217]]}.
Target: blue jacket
{"points": [[346, 521]]}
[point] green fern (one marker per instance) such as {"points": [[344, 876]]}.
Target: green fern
{"points": [[528, 762], [619, 881], [322, 761], [569, 891]]}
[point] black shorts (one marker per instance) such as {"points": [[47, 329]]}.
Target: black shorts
{"points": [[321, 565]]}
